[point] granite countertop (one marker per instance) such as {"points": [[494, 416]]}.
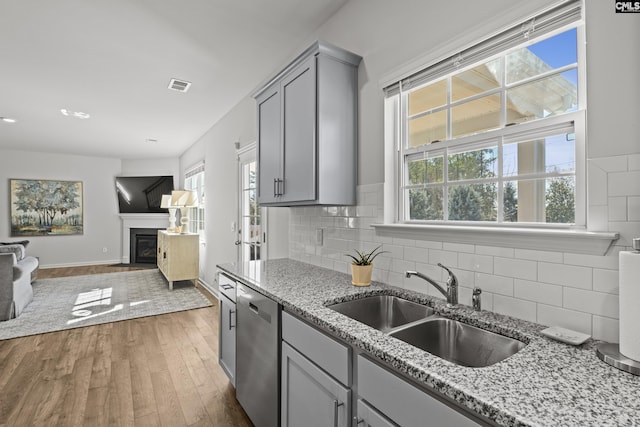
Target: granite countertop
{"points": [[547, 383]]}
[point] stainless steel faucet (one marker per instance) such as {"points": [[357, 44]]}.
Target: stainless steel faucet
{"points": [[451, 293]]}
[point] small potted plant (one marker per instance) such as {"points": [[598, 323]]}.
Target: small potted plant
{"points": [[362, 266]]}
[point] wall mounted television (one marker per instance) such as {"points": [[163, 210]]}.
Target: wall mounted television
{"points": [[142, 194]]}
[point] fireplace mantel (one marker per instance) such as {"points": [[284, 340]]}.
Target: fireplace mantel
{"points": [[129, 221]]}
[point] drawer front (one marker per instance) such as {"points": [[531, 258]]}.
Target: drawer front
{"points": [[402, 402], [227, 286], [318, 347]]}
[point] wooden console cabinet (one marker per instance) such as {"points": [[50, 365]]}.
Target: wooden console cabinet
{"points": [[178, 257]]}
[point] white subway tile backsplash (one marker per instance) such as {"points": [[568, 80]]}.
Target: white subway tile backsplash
{"points": [[634, 162], [597, 183], [605, 281], [609, 261], [566, 275], [611, 164], [450, 259], [479, 263], [538, 292], [458, 247], [515, 307], [606, 329], [532, 255], [556, 316], [510, 267], [393, 251], [624, 184], [428, 244], [495, 284], [591, 302], [495, 251], [403, 242], [416, 254], [617, 208], [633, 206], [598, 218], [400, 266]]}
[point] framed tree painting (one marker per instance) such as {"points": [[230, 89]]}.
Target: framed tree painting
{"points": [[46, 207]]}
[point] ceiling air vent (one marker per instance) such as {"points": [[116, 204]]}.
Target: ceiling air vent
{"points": [[179, 85]]}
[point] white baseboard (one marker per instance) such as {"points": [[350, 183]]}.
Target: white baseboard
{"points": [[209, 288], [81, 264]]}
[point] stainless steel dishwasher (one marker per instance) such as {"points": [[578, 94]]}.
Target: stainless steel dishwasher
{"points": [[257, 357]]}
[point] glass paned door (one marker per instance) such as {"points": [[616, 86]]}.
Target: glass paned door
{"points": [[250, 221]]}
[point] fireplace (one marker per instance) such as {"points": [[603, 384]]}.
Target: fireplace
{"points": [[144, 245], [148, 222]]}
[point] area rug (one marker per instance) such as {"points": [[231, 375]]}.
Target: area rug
{"points": [[73, 302]]}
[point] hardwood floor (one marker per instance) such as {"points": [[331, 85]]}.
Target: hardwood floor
{"points": [[153, 371]]}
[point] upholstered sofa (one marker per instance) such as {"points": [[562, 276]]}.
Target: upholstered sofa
{"points": [[16, 272]]}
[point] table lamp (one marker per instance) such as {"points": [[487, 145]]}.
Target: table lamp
{"points": [[166, 204]]}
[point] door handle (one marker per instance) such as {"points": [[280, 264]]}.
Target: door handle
{"points": [[237, 242], [230, 314], [336, 405]]}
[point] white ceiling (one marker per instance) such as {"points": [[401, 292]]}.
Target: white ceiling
{"points": [[113, 60]]}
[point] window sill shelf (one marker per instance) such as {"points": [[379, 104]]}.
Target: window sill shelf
{"points": [[572, 241]]}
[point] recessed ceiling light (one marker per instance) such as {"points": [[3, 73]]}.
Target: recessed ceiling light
{"points": [[151, 140], [76, 114], [8, 119], [179, 85]]}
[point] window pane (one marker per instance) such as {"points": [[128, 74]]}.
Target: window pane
{"points": [[560, 200], [541, 200], [426, 204], [473, 202], [427, 129], [546, 55], [426, 171], [428, 98], [551, 154], [550, 96], [510, 201], [476, 80], [473, 164], [476, 116]]}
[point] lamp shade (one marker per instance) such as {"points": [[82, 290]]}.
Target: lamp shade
{"points": [[166, 201], [184, 198]]}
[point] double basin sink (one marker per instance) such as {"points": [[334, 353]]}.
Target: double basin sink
{"points": [[420, 326]]}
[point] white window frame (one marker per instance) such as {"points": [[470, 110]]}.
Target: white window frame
{"points": [[570, 238], [194, 179]]}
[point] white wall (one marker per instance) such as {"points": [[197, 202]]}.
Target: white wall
{"points": [[102, 225], [575, 291], [151, 167], [217, 149], [101, 221]]}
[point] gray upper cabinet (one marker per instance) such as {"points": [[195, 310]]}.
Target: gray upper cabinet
{"points": [[307, 130]]}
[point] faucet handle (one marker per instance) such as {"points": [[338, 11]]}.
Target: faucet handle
{"points": [[475, 299], [453, 280]]}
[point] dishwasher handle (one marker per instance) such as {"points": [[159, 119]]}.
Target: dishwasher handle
{"points": [[245, 298]]}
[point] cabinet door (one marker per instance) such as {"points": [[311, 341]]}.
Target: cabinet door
{"points": [[369, 417], [298, 91], [227, 338], [269, 145], [310, 397]]}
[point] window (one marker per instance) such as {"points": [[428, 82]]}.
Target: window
{"points": [[194, 180], [495, 133]]}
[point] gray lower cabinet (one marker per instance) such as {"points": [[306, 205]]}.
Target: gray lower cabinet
{"points": [[227, 338], [315, 377], [401, 402], [310, 397], [369, 417], [227, 327], [307, 130]]}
